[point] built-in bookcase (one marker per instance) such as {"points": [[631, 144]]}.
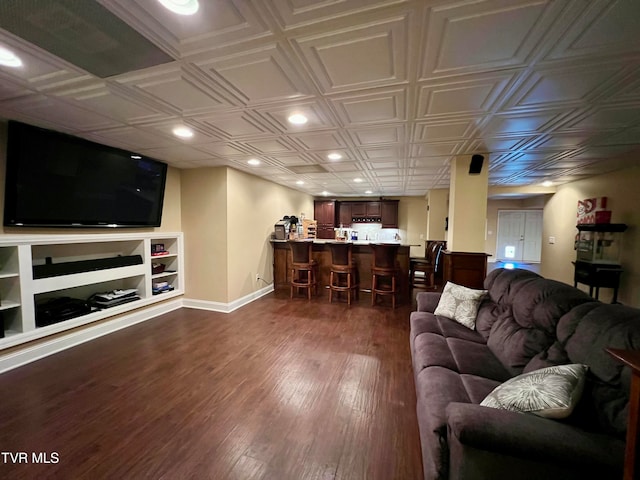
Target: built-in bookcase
{"points": [[20, 291]]}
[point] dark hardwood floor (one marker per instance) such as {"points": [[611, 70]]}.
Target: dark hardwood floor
{"points": [[278, 389]]}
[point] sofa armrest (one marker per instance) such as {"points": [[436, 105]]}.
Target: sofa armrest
{"points": [[427, 301], [550, 444]]}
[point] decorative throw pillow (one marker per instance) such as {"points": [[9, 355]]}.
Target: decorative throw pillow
{"points": [[460, 304], [550, 392]]}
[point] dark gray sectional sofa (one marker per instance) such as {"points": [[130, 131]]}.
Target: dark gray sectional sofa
{"points": [[524, 323]]}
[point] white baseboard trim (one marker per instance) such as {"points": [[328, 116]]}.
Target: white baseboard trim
{"points": [[45, 348], [227, 307]]}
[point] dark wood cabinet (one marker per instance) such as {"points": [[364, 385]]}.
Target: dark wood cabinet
{"points": [[359, 209], [345, 213], [389, 213], [324, 213], [373, 209]]}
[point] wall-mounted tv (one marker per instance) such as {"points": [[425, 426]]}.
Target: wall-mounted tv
{"points": [[57, 180]]}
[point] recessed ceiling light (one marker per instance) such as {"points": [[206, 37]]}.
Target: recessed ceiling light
{"points": [[181, 7], [368, 191], [357, 180], [183, 132], [325, 193], [297, 119], [9, 59], [547, 183], [253, 161], [334, 156], [136, 157], [299, 182]]}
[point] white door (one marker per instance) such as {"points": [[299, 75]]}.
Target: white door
{"points": [[519, 235]]}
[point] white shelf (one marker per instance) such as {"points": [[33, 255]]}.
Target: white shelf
{"points": [[19, 291]]}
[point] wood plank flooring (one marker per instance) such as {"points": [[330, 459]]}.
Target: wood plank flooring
{"points": [[279, 389]]}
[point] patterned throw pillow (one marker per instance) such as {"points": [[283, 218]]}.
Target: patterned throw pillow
{"points": [[550, 392], [460, 304]]}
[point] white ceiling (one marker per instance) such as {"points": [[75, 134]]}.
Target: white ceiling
{"points": [[549, 90]]}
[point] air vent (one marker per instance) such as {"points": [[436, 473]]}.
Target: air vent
{"points": [[83, 33], [307, 169]]}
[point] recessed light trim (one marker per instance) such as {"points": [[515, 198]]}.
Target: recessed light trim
{"points": [[325, 193], [358, 180], [368, 192], [183, 132], [334, 156], [181, 7], [299, 182], [9, 59], [297, 119], [547, 183], [253, 161]]}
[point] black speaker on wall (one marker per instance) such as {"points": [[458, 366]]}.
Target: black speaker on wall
{"points": [[475, 167]]}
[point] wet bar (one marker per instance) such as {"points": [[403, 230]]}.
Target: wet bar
{"points": [[362, 254]]}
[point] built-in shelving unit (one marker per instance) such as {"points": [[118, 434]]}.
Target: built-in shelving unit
{"points": [[20, 292]]}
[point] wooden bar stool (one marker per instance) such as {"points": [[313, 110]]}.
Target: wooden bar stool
{"points": [[385, 271], [303, 267], [344, 274], [429, 267]]}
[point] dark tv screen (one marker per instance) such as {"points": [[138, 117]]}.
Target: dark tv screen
{"points": [[57, 180]]}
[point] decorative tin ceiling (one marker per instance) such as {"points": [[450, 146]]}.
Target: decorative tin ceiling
{"points": [[549, 90]]}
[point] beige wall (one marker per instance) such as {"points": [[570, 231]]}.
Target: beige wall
{"points": [[204, 223], [412, 222], [493, 206], [438, 200], [559, 221], [254, 206], [228, 218]]}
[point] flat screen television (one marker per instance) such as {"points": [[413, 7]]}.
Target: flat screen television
{"points": [[57, 180]]}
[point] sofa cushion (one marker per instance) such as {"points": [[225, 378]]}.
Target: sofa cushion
{"points": [[551, 392], [460, 303], [423, 322], [530, 308]]}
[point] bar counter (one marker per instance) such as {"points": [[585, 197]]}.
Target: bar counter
{"points": [[362, 255]]}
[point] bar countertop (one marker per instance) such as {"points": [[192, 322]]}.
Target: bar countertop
{"points": [[321, 241]]}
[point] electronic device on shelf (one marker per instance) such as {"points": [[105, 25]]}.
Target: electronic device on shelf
{"points": [[54, 310], [114, 298]]}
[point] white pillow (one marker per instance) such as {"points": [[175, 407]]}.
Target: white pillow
{"points": [[550, 392], [460, 304]]}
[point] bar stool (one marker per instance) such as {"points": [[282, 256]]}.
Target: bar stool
{"points": [[385, 271], [344, 274], [428, 266], [303, 267]]}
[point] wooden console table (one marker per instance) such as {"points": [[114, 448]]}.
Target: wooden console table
{"points": [[631, 358]]}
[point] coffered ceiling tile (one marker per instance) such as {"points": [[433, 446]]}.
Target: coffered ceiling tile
{"points": [[380, 106], [470, 36], [226, 150], [112, 103], [218, 23], [233, 125], [166, 127], [290, 159], [295, 13], [279, 78], [270, 145], [434, 149], [325, 140], [431, 162], [523, 123], [600, 28], [382, 152], [381, 135], [434, 132], [362, 56], [475, 96], [343, 167], [177, 153], [131, 137], [601, 151], [609, 117], [59, 115], [510, 143], [563, 141], [176, 88], [567, 85], [277, 114], [630, 136], [10, 89]]}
